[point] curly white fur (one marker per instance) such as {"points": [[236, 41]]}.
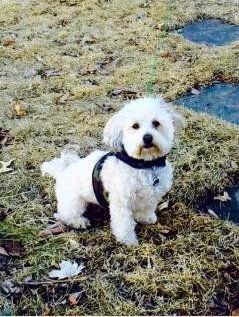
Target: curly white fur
{"points": [[132, 196]]}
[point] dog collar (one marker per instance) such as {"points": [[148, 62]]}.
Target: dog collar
{"points": [[100, 194], [140, 164]]}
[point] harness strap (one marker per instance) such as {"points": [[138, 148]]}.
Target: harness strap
{"points": [[99, 191], [100, 194]]}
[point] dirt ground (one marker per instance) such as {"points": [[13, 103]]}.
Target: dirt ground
{"points": [[65, 67]]}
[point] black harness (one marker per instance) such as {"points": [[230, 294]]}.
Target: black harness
{"points": [[100, 194]]}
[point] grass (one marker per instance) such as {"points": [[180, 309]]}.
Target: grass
{"points": [[186, 263]]}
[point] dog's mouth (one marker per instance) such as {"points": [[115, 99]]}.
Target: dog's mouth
{"points": [[148, 152], [148, 146]]}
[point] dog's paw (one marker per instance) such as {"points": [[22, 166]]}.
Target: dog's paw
{"points": [[129, 240], [82, 223], [77, 223], [132, 243], [147, 219]]}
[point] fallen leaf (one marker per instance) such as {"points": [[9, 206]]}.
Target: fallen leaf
{"points": [[3, 251], [19, 110], [63, 22], [67, 269], [89, 39], [53, 230], [46, 73], [163, 231], [73, 243], [164, 205], [8, 42], [4, 261], [13, 248], [224, 197], [125, 92], [212, 213], [46, 311], [195, 91], [52, 73], [105, 107], [9, 287], [234, 165], [165, 54], [170, 55], [159, 26], [87, 71], [106, 61], [4, 213], [5, 137], [235, 312], [91, 82], [72, 300], [4, 166], [30, 73]]}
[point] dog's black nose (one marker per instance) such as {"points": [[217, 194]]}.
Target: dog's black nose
{"points": [[147, 138]]}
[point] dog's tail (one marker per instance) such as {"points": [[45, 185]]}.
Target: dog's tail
{"points": [[56, 166]]}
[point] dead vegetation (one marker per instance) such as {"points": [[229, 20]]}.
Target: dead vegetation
{"points": [[66, 66]]}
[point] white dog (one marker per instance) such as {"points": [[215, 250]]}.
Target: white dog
{"points": [[135, 177]]}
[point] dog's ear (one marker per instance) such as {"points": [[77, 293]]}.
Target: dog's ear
{"points": [[113, 133]]}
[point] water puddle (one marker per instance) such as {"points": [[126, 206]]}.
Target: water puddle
{"points": [[220, 100], [211, 32]]}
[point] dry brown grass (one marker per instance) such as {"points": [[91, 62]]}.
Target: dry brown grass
{"points": [[186, 263]]}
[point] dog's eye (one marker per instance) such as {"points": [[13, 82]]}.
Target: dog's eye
{"points": [[155, 124], [135, 126]]}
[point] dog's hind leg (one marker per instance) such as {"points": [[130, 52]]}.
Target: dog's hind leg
{"points": [[70, 211]]}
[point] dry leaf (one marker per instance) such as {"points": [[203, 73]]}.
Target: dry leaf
{"points": [[163, 231], [125, 92], [10, 288], [8, 42], [195, 91], [224, 197], [52, 73], [13, 248], [4, 166], [235, 312], [87, 71], [234, 165], [105, 62], [3, 213], [46, 311], [164, 205], [30, 73], [165, 54], [72, 300], [73, 243], [19, 111], [5, 137], [53, 230], [3, 251], [67, 269], [89, 39], [212, 213]]}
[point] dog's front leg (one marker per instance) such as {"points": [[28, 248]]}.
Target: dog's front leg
{"points": [[122, 221]]}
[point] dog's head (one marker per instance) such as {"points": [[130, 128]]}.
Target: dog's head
{"points": [[144, 127]]}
